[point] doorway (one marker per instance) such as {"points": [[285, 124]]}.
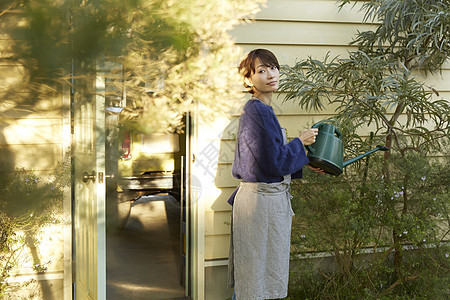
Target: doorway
{"points": [[146, 257]]}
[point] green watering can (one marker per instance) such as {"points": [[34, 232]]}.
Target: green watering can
{"points": [[328, 151]]}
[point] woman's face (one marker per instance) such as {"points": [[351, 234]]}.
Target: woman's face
{"points": [[265, 79]]}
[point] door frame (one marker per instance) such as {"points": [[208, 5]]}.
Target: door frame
{"points": [[100, 114], [196, 256]]}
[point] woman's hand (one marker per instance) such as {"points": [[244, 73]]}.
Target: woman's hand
{"points": [[308, 136], [318, 170]]}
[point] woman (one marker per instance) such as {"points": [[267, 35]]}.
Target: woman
{"points": [[264, 162]]}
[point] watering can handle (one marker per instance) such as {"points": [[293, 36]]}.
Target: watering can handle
{"points": [[338, 133], [308, 147], [318, 125]]}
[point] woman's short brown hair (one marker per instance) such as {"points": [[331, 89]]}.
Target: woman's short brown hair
{"points": [[247, 65]]}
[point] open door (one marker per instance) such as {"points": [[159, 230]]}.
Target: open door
{"points": [[89, 251]]}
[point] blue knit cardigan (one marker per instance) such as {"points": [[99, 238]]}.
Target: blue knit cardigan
{"points": [[261, 155]]}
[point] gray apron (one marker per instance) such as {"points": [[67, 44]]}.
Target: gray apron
{"points": [[260, 240]]}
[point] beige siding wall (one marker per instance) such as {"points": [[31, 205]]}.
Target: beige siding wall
{"points": [[293, 30], [34, 137]]}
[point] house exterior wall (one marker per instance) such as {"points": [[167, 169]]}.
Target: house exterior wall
{"points": [[293, 30], [34, 137]]}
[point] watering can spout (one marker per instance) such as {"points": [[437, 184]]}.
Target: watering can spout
{"points": [[350, 161]]}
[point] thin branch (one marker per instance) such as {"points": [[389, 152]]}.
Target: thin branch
{"points": [[392, 286], [7, 10]]}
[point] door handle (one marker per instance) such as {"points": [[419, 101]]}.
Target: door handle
{"points": [[87, 176]]}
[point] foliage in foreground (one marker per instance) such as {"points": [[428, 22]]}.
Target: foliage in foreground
{"points": [[27, 204], [167, 56]]}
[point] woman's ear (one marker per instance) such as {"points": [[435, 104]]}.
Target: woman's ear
{"points": [[247, 81]]}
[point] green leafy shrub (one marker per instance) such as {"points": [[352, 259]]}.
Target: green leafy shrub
{"points": [[350, 220]]}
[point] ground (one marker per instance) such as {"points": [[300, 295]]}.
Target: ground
{"points": [[143, 260]]}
